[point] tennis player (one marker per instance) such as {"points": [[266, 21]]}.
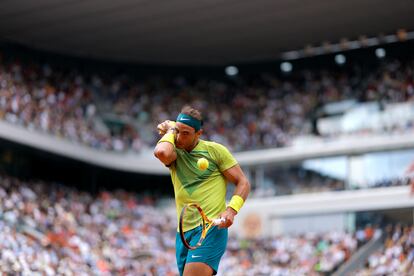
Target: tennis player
{"points": [[179, 149]]}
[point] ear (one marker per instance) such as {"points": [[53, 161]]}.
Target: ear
{"points": [[198, 133]]}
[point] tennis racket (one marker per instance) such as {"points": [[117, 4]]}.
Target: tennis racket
{"points": [[194, 215]]}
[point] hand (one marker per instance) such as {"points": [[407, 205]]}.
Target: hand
{"points": [[228, 216], [165, 126]]}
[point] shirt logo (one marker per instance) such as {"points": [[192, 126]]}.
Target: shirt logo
{"points": [[195, 256]]}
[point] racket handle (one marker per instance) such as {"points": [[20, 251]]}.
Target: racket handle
{"points": [[218, 221]]}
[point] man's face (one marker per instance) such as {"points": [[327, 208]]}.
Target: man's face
{"points": [[186, 137]]}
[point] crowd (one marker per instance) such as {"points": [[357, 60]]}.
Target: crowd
{"points": [[300, 181], [399, 181], [37, 97], [307, 254], [296, 181], [48, 229], [244, 113], [396, 257]]}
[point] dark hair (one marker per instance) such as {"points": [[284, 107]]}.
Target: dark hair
{"points": [[188, 110]]}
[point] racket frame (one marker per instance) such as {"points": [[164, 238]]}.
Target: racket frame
{"points": [[206, 225]]}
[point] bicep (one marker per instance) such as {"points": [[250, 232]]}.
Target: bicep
{"points": [[234, 174]]}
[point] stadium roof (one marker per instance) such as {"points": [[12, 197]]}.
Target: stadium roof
{"points": [[210, 32]]}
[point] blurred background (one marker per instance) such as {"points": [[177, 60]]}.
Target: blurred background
{"points": [[314, 98]]}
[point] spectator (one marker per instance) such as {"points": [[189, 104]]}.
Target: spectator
{"points": [[264, 111]]}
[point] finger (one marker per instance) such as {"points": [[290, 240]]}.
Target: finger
{"points": [[162, 127], [220, 222], [224, 223]]}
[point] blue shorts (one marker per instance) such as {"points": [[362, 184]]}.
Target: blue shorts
{"points": [[210, 251]]}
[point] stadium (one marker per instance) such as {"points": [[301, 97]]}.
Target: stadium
{"points": [[306, 107]]}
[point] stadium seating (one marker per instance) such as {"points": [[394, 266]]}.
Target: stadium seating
{"points": [[72, 232], [120, 113], [396, 257]]}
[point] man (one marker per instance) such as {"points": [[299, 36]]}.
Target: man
{"points": [[179, 149]]}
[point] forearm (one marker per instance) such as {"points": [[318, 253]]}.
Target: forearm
{"points": [[165, 149], [236, 176], [239, 196], [242, 188]]}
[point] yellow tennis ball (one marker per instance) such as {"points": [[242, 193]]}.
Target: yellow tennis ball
{"points": [[202, 164]]}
